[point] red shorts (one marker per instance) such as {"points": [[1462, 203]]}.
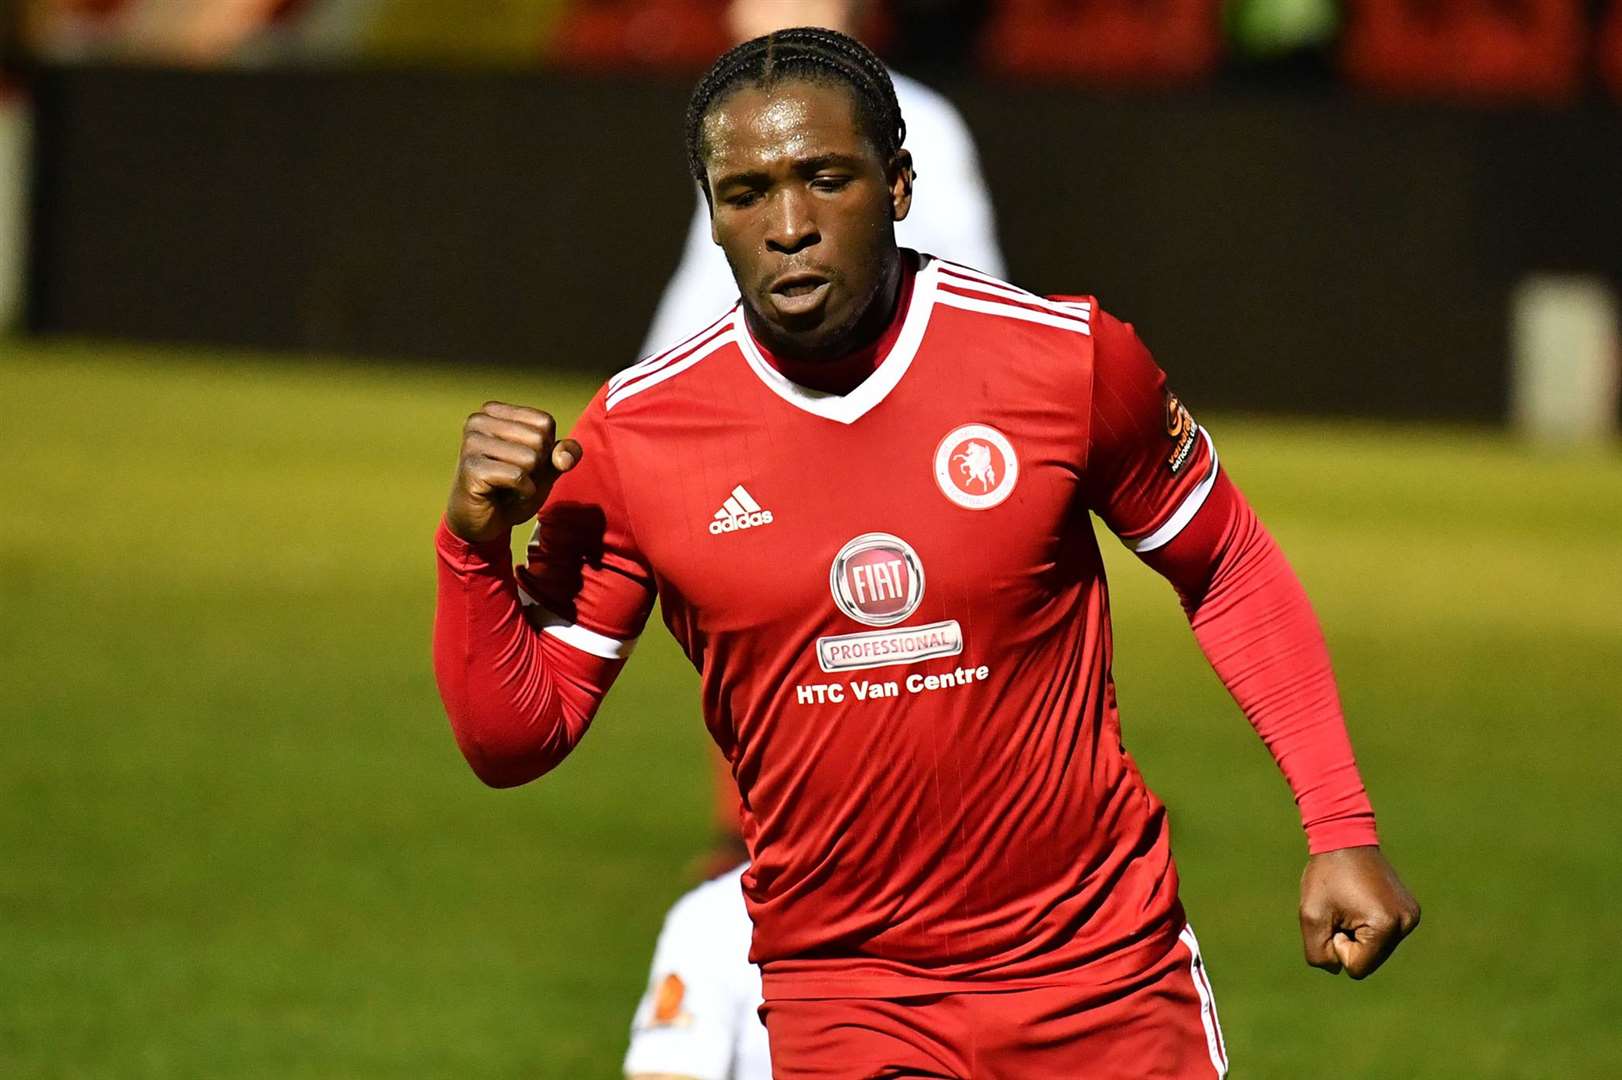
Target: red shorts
{"points": [[1162, 1025]]}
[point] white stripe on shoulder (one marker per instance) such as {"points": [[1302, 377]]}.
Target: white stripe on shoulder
{"points": [[1185, 512], [995, 286], [573, 634], [960, 270], [1009, 292], [1065, 321], [648, 363], [658, 375]]}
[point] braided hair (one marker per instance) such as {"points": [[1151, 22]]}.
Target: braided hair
{"points": [[812, 53]]}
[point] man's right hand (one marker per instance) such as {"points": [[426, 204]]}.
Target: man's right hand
{"points": [[511, 456]]}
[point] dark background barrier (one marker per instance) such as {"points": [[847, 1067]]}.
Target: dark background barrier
{"points": [[1277, 253]]}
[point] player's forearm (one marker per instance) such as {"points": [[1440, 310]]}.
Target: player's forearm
{"points": [[1256, 627], [518, 700], [1260, 634]]}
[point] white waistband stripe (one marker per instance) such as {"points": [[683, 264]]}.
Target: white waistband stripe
{"points": [[1214, 1043]]}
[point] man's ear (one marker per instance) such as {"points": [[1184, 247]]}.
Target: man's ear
{"points": [[901, 177]]}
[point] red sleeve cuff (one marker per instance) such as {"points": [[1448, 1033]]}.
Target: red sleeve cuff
{"points": [[1349, 832], [469, 558]]}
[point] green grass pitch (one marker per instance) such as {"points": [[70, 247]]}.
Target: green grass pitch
{"points": [[236, 838]]}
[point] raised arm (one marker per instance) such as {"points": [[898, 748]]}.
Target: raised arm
{"points": [[519, 680], [1161, 487]]}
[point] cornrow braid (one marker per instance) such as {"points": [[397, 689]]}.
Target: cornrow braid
{"points": [[805, 52]]}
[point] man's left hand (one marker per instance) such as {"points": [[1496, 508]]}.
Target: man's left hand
{"points": [[1354, 910]]}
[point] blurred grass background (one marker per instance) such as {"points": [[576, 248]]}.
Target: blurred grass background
{"points": [[236, 838]]}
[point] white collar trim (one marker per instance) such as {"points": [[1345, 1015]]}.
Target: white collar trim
{"points": [[851, 407]]}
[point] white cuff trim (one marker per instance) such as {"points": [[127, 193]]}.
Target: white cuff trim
{"points": [[575, 635], [1184, 513]]}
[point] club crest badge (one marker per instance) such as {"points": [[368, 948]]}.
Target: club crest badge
{"points": [[877, 579], [975, 466]]}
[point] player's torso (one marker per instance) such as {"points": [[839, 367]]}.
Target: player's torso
{"points": [[897, 607], [812, 549]]}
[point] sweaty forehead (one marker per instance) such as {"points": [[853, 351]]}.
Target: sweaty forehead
{"points": [[756, 125]]}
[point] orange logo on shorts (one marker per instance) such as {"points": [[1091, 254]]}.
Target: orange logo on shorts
{"points": [[667, 1000]]}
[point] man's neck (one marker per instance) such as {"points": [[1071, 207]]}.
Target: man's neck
{"points": [[841, 369]]}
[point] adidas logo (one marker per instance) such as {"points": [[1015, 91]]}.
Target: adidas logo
{"points": [[740, 511]]}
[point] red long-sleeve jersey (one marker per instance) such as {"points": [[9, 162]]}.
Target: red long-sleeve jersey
{"points": [[897, 606]]}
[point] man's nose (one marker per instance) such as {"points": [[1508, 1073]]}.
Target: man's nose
{"points": [[793, 223]]}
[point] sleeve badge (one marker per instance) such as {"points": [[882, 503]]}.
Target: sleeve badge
{"points": [[1181, 430]]}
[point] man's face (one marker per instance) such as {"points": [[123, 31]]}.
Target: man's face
{"points": [[805, 210]]}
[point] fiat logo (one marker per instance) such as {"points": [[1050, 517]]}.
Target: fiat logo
{"points": [[877, 579]]}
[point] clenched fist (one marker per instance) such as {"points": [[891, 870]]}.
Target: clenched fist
{"points": [[511, 456], [1354, 910]]}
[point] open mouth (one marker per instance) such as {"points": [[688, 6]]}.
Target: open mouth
{"points": [[798, 294]]}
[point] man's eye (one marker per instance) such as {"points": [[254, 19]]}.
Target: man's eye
{"points": [[742, 198], [830, 183]]}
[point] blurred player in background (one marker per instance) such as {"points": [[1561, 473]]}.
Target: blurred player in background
{"points": [[699, 1019], [952, 219], [200, 32], [957, 869]]}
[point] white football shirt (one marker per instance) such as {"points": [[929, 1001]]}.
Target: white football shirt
{"points": [[698, 1017], [951, 217]]}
